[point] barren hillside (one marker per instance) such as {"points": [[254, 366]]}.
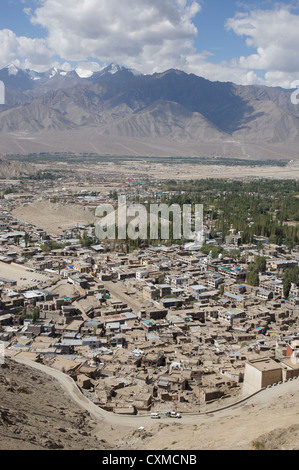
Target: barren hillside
{"points": [[14, 169], [54, 217], [36, 414]]}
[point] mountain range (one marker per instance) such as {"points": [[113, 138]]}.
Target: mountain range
{"points": [[119, 111]]}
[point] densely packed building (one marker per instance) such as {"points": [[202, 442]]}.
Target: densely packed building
{"points": [[151, 329]]}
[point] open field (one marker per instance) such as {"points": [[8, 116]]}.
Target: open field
{"points": [[189, 172], [25, 279], [143, 169]]}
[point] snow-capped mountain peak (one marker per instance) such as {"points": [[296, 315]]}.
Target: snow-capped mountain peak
{"points": [[52, 72], [27, 79], [12, 69], [114, 68]]}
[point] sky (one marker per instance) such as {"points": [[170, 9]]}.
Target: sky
{"points": [[252, 42]]}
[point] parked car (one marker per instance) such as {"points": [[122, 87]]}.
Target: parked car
{"points": [[173, 414], [155, 416]]}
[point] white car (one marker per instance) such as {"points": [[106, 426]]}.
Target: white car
{"points": [[173, 414], [155, 416]]}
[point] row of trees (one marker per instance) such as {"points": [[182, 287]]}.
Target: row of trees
{"points": [[255, 208]]}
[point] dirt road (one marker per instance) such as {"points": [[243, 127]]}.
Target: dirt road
{"points": [[263, 399]]}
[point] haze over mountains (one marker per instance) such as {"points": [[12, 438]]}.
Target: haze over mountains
{"points": [[119, 111]]}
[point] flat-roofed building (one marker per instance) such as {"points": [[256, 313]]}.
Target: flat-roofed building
{"points": [[259, 373]]}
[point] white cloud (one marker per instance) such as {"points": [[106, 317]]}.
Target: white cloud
{"points": [[86, 69], [35, 51], [275, 36], [152, 36], [223, 71], [9, 46], [21, 50], [144, 34]]}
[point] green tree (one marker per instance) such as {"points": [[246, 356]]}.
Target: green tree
{"points": [[291, 275], [26, 239], [16, 239], [35, 314], [286, 288], [252, 277], [260, 263]]}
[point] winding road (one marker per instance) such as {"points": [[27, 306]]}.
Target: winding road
{"points": [[263, 397]]}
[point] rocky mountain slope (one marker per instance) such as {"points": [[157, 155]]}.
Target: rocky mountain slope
{"points": [[14, 169], [164, 113], [35, 414]]}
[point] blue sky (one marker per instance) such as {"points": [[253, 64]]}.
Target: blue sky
{"points": [[229, 40]]}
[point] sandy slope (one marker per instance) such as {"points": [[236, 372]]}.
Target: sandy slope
{"points": [[53, 217]]}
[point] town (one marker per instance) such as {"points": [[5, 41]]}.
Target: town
{"points": [[141, 327]]}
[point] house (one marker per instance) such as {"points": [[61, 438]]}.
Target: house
{"points": [[102, 397], [165, 289], [231, 315], [233, 373], [198, 289], [78, 281], [291, 365], [281, 265], [233, 297], [214, 281], [32, 355], [6, 319], [74, 327], [67, 346], [172, 302], [173, 382], [143, 401], [151, 292], [156, 314], [153, 359], [118, 340], [33, 296], [209, 394], [238, 289], [142, 274], [263, 294], [91, 341], [259, 373], [63, 364], [232, 272], [83, 381]]}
